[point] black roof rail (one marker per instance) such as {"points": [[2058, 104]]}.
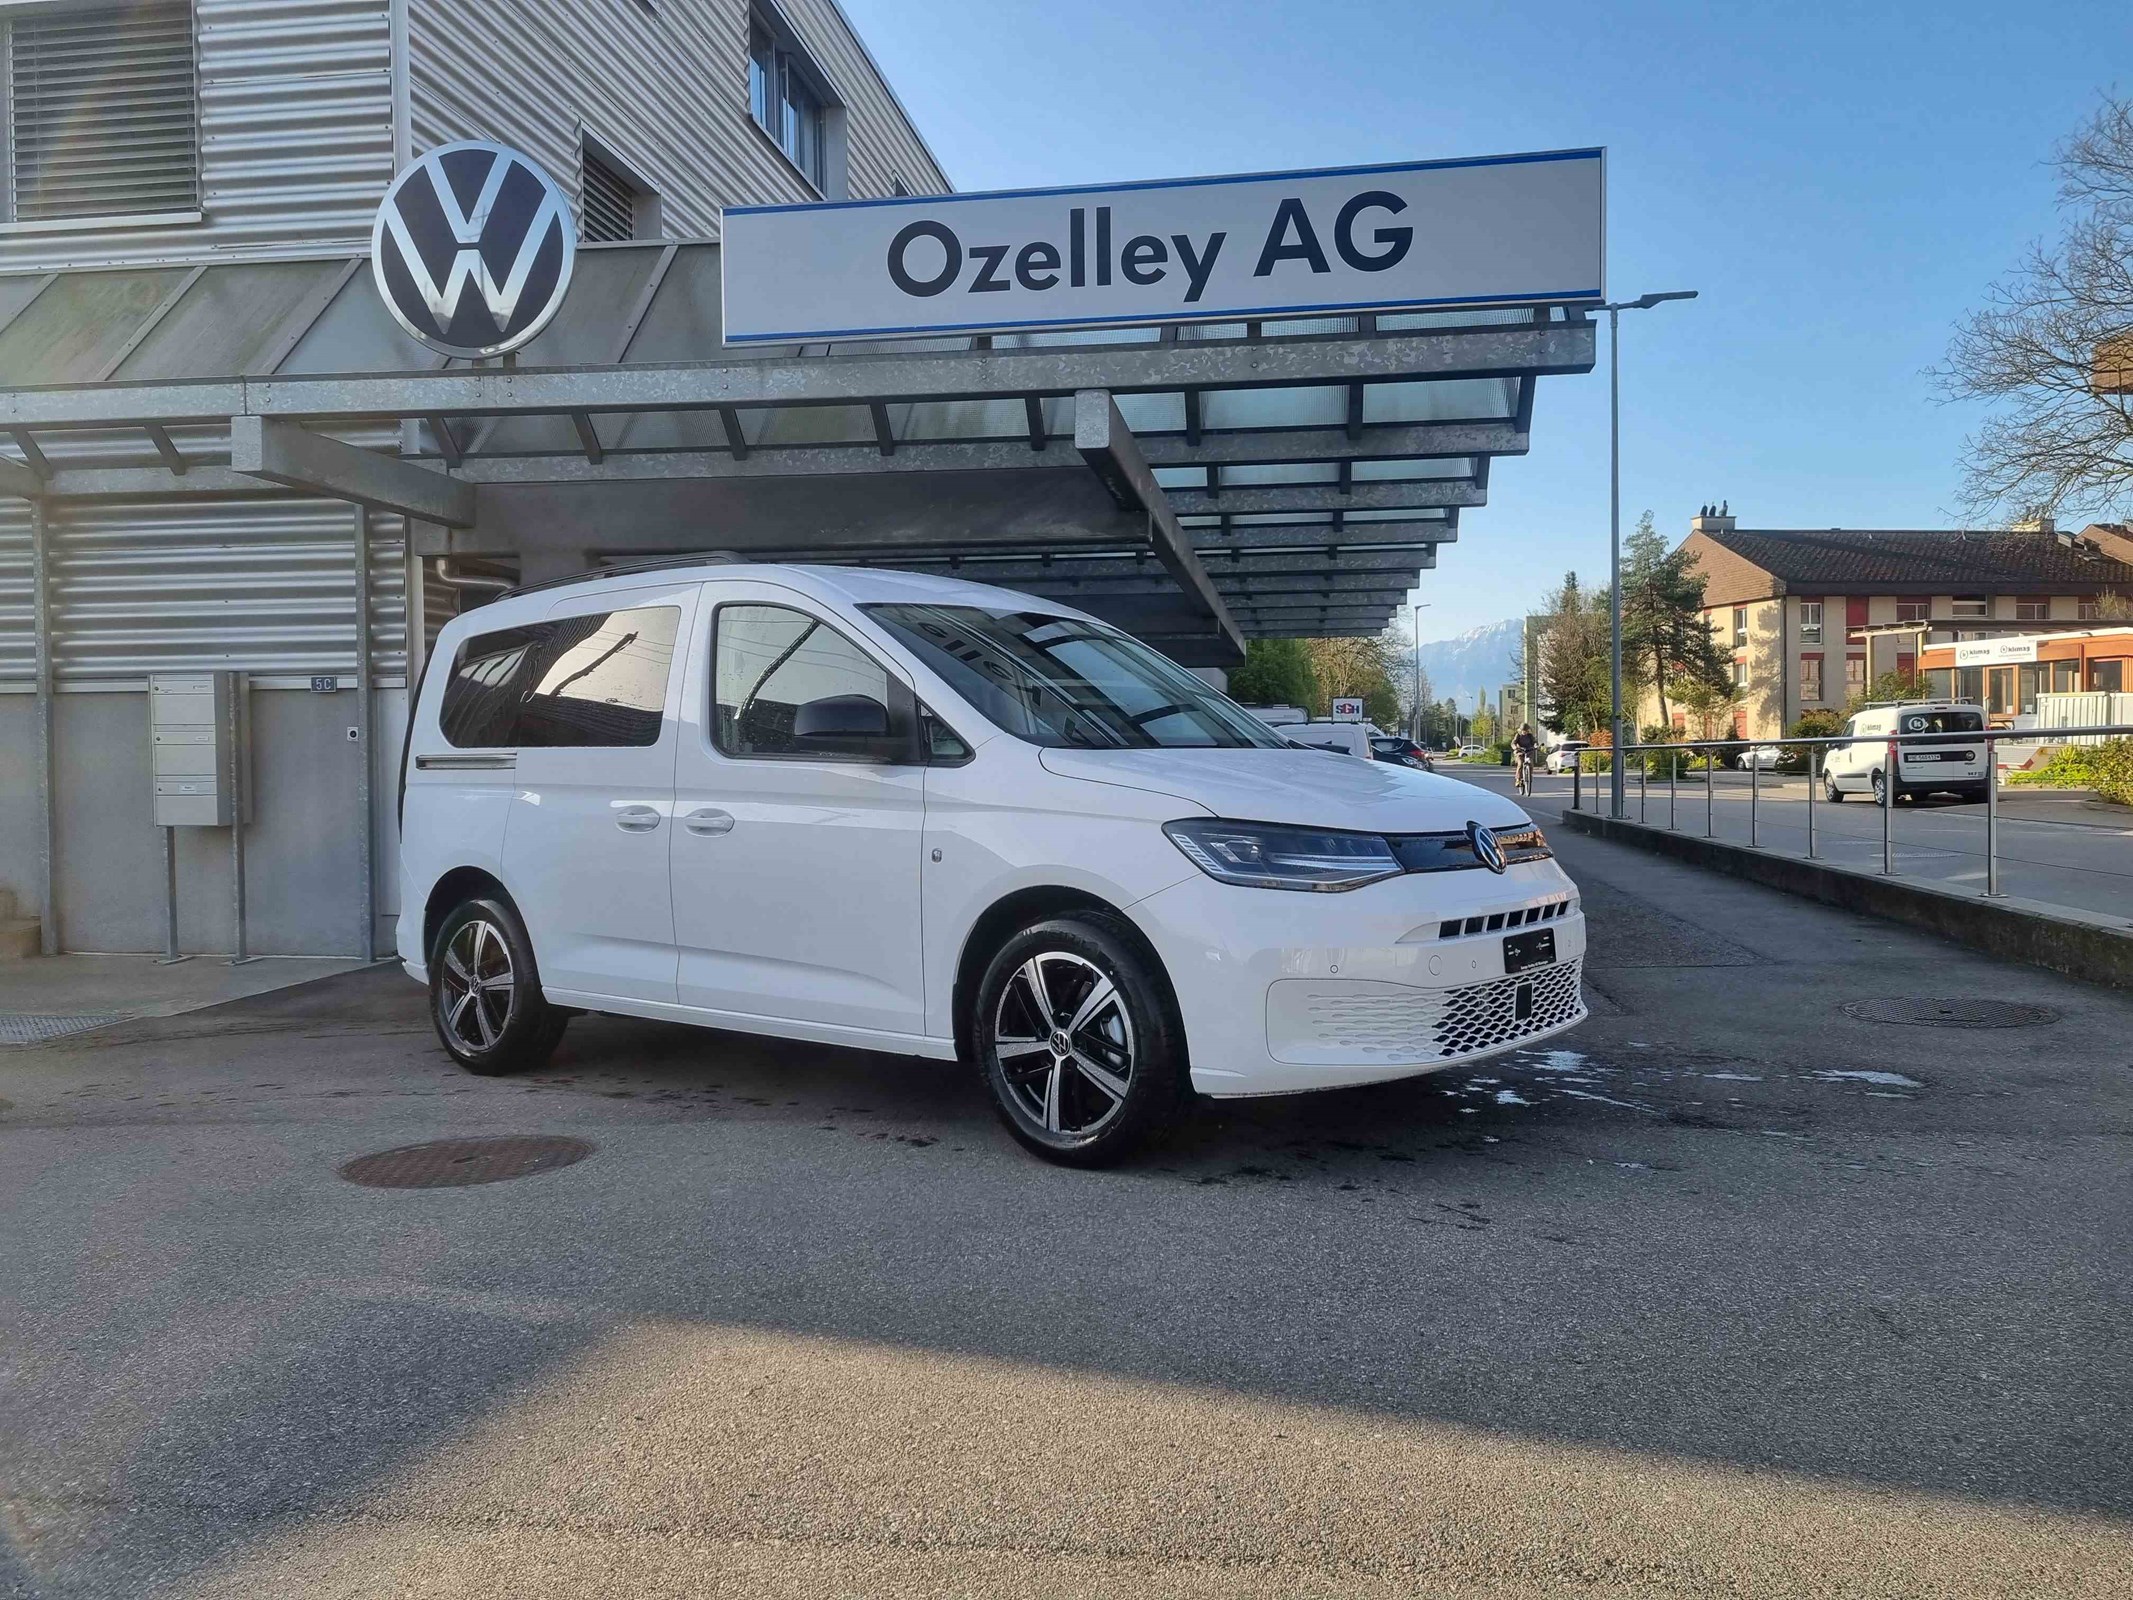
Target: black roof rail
{"points": [[706, 558]]}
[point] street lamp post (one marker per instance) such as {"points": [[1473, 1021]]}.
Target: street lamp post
{"points": [[1614, 310], [1414, 731]]}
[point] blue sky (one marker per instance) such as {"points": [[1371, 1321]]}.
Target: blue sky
{"points": [[1840, 182]]}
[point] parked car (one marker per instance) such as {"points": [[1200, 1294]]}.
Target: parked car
{"points": [[1561, 756], [1948, 759], [1764, 757], [1471, 752], [1401, 752], [1343, 738], [939, 819]]}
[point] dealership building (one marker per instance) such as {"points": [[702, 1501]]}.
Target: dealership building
{"points": [[236, 458]]}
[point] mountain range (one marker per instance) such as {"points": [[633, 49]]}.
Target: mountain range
{"points": [[1477, 661]]}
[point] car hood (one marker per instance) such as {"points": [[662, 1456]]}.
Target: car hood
{"points": [[1310, 788]]}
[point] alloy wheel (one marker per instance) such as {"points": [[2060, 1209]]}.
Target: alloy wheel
{"points": [[480, 987], [1065, 1044]]}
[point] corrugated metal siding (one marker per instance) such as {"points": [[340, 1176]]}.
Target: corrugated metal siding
{"points": [[295, 139], [177, 585], [665, 88], [18, 644]]}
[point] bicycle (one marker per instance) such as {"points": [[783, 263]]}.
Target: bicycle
{"points": [[1522, 775]]}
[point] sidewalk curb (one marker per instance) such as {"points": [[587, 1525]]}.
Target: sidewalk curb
{"points": [[2075, 943]]}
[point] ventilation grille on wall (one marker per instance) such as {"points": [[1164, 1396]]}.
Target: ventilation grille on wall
{"points": [[103, 110], [610, 203]]}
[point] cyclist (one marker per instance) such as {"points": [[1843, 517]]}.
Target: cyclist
{"points": [[1522, 749]]}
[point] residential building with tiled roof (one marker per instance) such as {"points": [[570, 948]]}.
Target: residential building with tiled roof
{"points": [[1812, 616]]}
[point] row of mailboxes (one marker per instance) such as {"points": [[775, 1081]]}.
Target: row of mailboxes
{"points": [[194, 734]]}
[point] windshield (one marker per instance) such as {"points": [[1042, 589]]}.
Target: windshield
{"points": [[1063, 681], [1943, 722]]}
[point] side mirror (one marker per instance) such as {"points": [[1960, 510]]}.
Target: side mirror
{"points": [[846, 725]]}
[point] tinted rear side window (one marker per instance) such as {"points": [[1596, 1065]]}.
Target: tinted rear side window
{"points": [[597, 680], [602, 679], [488, 679]]}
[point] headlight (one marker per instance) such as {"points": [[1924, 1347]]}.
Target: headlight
{"points": [[1265, 855]]}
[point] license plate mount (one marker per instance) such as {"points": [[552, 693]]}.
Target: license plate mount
{"points": [[1524, 951]]}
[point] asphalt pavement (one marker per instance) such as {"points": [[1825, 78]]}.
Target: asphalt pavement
{"points": [[1730, 1292], [2056, 847]]}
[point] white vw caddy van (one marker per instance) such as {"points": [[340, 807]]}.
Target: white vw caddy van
{"points": [[911, 814]]}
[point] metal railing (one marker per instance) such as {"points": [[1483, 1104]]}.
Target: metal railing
{"points": [[1709, 750]]}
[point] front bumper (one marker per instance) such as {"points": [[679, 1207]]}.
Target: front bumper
{"points": [[1282, 992]]}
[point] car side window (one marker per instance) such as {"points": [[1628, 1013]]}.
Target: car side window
{"points": [[770, 661], [573, 682], [602, 679], [489, 677]]}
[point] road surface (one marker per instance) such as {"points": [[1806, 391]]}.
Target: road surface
{"points": [[1730, 1292]]}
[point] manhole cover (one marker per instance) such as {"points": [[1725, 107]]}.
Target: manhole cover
{"points": [[1951, 1013], [30, 1027], [455, 1163]]}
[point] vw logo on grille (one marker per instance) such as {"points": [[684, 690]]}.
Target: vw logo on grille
{"points": [[473, 248], [1486, 849]]}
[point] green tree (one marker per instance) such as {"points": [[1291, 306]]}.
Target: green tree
{"points": [[1274, 672], [1574, 658], [1358, 667], [1891, 686], [1665, 640]]}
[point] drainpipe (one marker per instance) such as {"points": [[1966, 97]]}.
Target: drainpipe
{"points": [[441, 567], [47, 839], [364, 733]]}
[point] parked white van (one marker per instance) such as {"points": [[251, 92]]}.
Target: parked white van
{"points": [[916, 815], [1944, 761]]}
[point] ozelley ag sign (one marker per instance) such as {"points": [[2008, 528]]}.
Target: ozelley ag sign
{"points": [[1498, 230]]}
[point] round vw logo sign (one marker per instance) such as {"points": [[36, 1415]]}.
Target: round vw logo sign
{"points": [[1486, 850], [473, 248]]}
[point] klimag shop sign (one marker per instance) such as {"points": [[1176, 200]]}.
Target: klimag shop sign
{"points": [[1497, 230]]}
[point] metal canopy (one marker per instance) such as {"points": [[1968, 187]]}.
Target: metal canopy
{"points": [[1200, 484]]}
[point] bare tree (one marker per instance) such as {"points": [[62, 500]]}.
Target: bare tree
{"points": [[2052, 348]]}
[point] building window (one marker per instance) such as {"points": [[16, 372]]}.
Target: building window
{"points": [[1972, 605], [1811, 622], [787, 98], [102, 111], [1854, 676], [2066, 677], [1811, 678], [2089, 608], [2108, 676], [1740, 672], [615, 205], [1855, 618], [1740, 626], [1914, 610], [2037, 610]]}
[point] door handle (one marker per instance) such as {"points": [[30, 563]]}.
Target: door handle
{"points": [[708, 821], [637, 819]]}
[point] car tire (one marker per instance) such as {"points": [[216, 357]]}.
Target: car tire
{"points": [[1079, 1041], [1880, 783], [485, 991], [1830, 791]]}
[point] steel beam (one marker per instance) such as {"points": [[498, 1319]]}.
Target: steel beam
{"points": [[1493, 351], [1323, 536], [281, 452], [1011, 572], [1108, 446], [1429, 494]]}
